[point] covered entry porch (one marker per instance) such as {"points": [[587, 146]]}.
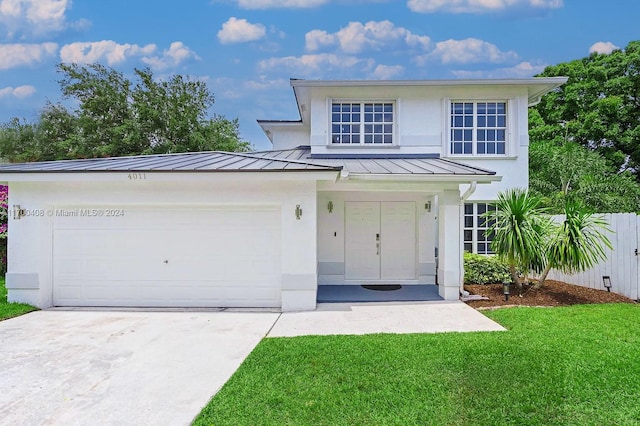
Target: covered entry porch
{"points": [[388, 241]]}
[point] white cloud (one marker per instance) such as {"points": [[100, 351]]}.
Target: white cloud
{"points": [[114, 53], [240, 31], [386, 72], [96, 51], [478, 6], [521, 70], [19, 92], [317, 39], [470, 50], [357, 37], [273, 4], [321, 64], [266, 84], [172, 57], [605, 47], [16, 55], [33, 17]]}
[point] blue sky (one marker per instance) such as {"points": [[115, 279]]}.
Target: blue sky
{"points": [[247, 50]]}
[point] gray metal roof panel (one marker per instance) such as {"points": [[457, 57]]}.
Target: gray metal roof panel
{"points": [[187, 162], [426, 164]]}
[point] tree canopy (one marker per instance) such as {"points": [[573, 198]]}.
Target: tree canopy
{"points": [[115, 116], [585, 135], [598, 107], [569, 170]]}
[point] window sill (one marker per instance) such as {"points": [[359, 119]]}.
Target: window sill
{"points": [[363, 146], [482, 157]]}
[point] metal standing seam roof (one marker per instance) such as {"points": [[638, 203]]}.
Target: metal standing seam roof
{"points": [[289, 160], [214, 161], [408, 165]]}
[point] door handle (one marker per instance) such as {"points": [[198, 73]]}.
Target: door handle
{"points": [[377, 237], [378, 249]]}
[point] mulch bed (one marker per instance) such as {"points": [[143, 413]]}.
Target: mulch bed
{"points": [[552, 293]]}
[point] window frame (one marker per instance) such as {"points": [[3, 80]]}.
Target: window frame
{"points": [[362, 133], [475, 128], [476, 227]]}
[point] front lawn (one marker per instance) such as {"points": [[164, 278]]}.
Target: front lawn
{"points": [[10, 310], [575, 365]]}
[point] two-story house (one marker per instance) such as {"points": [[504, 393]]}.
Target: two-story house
{"points": [[378, 182]]}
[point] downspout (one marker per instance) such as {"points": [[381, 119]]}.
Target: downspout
{"points": [[465, 197], [469, 192]]}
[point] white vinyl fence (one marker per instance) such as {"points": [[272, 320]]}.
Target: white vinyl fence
{"points": [[623, 262]]}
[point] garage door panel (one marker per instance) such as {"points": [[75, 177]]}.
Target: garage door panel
{"points": [[219, 261], [146, 294], [169, 294]]}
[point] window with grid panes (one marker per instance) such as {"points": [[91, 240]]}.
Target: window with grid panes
{"points": [[478, 128], [363, 123], [476, 237]]}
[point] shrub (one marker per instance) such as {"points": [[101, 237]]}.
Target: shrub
{"points": [[480, 269]]}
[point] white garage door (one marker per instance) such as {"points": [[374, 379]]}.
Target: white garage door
{"points": [[159, 257]]}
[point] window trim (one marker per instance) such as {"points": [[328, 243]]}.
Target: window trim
{"points": [[475, 228], [507, 128], [362, 102]]}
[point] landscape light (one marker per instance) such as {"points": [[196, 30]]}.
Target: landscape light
{"points": [[506, 284]]}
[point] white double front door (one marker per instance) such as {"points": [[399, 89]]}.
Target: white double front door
{"points": [[380, 240]]}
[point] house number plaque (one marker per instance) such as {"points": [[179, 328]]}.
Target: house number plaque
{"points": [[137, 176]]}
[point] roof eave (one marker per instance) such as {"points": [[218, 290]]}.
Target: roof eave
{"points": [[450, 82], [167, 176], [449, 178]]}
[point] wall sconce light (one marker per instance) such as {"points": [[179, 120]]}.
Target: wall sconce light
{"points": [[506, 284], [427, 206], [298, 212], [606, 280], [18, 212], [330, 206]]}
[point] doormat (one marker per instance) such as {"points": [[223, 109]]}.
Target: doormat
{"points": [[382, 287]]}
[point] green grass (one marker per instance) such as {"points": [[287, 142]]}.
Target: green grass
{"points": [[577, 365], [10, 310]]}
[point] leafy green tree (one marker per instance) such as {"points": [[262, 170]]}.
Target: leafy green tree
{"points": [[560, 170], [601, 100], [115, 117]]}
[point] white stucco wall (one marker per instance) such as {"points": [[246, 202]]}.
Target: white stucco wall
{"points": [[290, 136], [29, 276], [331, 232], [421, 116]]}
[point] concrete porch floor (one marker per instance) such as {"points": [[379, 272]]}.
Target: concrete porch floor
{"points": [[357, 293]]}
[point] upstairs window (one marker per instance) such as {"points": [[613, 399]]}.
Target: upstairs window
{"points": [[478, 128], [362, 123]]}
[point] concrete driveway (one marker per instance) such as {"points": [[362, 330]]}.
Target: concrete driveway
{"points": [[118, 368]]}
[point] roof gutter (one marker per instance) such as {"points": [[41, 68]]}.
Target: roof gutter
{"points": [[461, 179]]}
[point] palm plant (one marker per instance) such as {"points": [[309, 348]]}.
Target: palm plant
{"points": [[576, 244], [518, 229]]}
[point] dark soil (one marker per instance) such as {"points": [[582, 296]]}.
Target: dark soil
{"points": [[552, 293]]}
